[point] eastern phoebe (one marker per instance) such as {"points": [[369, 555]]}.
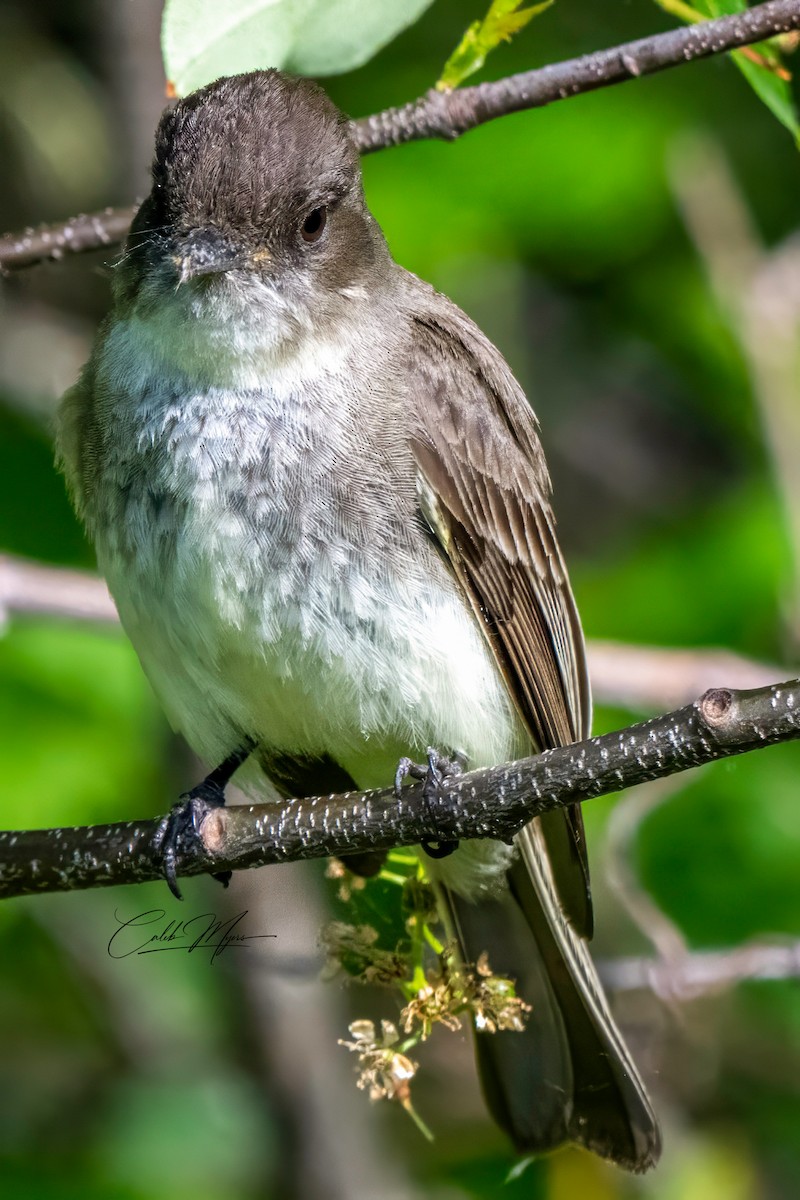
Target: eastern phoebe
{"points": [[320, 502]]}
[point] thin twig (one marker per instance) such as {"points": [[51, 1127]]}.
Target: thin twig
{"points": [[30, 587], [642, 678], [87, 231], [692, 976], [759, 290], [649, 679], [447, 115], [493, 802], [702, 973], [621, 874]]}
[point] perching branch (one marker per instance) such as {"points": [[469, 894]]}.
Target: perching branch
{"points": [[492, 802], [447, 115]]}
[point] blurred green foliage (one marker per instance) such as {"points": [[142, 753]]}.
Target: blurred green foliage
{"points": [[560, 233]]}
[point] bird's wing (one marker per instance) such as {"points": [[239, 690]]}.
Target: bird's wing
{"points": [[484, 491]]}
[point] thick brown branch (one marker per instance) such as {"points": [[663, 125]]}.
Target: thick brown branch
{"points": [[449, 114], [494, 802]]}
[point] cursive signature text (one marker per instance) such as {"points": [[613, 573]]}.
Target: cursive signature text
{"points": [[150, 932]]}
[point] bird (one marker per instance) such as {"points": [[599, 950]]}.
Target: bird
{"points": [[320, 501]]}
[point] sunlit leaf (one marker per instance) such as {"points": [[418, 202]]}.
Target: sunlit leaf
{"points": [[203, 39], [502, 21]]}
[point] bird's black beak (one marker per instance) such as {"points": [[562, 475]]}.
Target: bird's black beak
{"points": [[204, 252]]}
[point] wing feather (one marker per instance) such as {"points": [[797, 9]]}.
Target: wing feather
{"points": [[485, 493]]}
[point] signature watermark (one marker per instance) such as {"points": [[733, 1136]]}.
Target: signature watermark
{"points": [[152, 932]]}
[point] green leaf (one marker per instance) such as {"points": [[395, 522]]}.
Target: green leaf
{"points": [[721, 8], [685, 12], [203, 39], [771, 88], [761, 65], [502, 21]]}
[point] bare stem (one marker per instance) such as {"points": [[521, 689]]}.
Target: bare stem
{"points": [[31, 587], [681, 980], [449, 114], [642, 678]]}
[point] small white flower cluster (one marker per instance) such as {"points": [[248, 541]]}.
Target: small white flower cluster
{"points": [[384, 1070]]}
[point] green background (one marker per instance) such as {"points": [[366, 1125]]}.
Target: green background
{"points": [[561, 233]]}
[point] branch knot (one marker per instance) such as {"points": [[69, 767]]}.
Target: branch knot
{"points": [[715, 706]]}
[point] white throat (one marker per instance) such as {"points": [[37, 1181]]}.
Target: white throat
{"points": [[244, 330]]}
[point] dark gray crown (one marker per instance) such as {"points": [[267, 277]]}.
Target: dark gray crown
{"points": [[241, 150]]}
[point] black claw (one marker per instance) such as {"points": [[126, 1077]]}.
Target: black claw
{"points": [[182, 824], [185, 818], [437, 769], [403, 770], [407, 769], [165, 843]]}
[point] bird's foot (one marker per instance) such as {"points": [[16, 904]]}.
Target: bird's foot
{"points": [[183, 821], [434, 773]]}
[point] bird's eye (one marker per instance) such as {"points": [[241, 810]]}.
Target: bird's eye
{"points": [[314, 224]]}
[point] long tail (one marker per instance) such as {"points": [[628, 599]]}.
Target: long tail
{"points": [[568, 1077]]}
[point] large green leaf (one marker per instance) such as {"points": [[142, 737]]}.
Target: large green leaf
{"points": [[203, 39]]}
